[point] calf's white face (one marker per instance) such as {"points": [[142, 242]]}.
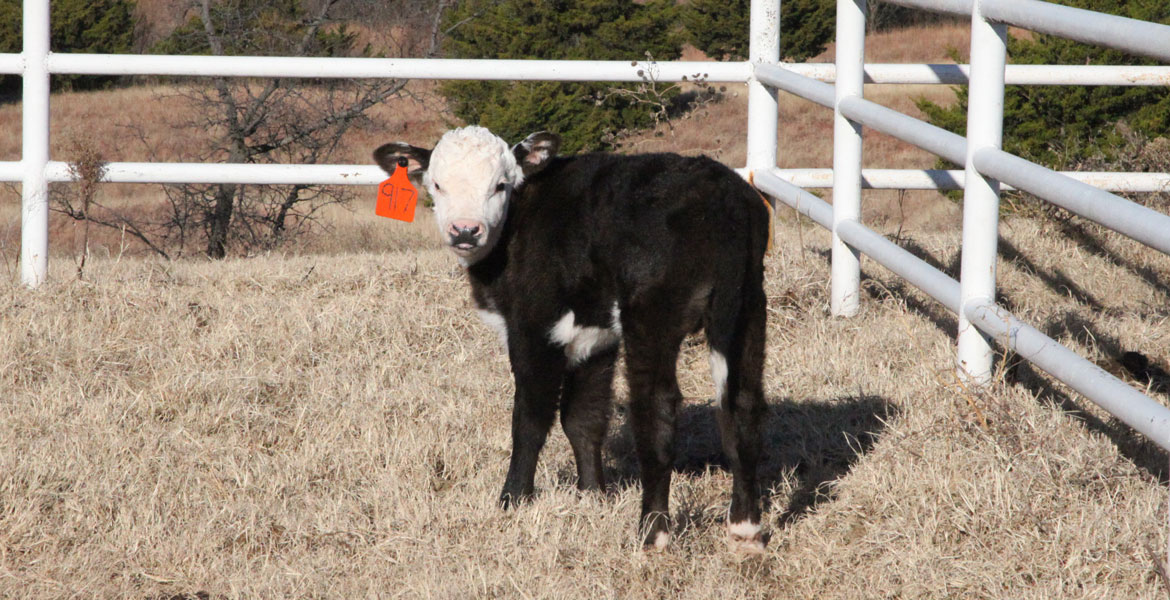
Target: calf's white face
{"points": [[471, 174]]}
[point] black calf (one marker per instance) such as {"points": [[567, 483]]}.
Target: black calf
{"points": [[598, 249]]}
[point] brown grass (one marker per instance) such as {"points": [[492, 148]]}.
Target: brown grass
{"points": [[337, 426], [923, 44]]}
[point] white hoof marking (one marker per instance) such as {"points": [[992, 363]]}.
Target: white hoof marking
{"points": [[745, 537]]}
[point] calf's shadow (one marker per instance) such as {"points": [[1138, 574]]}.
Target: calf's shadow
{"points": [[818, 442]]}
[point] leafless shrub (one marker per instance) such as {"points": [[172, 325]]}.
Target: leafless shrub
{"points": [[268, 121], [87, 169], [666, 103], [80, 202]]}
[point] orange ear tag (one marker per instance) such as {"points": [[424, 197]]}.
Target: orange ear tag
{"points": [[397, 196]]}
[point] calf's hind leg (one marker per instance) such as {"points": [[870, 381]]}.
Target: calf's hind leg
{"points": [[651, 358], [735, 335]]}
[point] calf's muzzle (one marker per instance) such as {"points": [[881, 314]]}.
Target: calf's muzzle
{"points": [[465, 234]]}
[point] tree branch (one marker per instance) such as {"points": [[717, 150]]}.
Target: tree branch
{"points": [[353, 111], [231, 109], [121, 222]]}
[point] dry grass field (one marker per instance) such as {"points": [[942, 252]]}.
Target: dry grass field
{"points": [[337, 426], [332, 420]]}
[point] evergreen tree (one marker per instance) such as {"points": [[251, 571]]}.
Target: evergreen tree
{"points": [[582, 113], [91, 26], [720, 27], [1062, 125]]}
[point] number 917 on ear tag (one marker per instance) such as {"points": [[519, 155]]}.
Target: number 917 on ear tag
{"points": [[397, 196]]}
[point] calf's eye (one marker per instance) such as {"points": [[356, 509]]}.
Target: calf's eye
{"points": [[500, 187], [437, 188]]}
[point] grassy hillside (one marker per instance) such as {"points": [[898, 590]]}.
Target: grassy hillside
{"points": [[337, 426]]}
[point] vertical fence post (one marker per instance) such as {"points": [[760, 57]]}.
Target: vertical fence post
{"points": [[763, 110], [34, 191], [981, 197], [846, 261]]}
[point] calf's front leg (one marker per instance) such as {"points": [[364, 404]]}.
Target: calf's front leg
{"points": [[538, 377]]}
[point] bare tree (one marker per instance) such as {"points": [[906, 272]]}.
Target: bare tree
{"points": [[281, 120], [278, 120]]}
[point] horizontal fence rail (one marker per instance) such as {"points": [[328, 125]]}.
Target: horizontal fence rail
{"points": [[1147, 226], [952, 179], [772, 184], [935, 283], [1056, 75], [1130, 35], [242, 173], [1110, 393], [1118, 398], [398, 68], [931, 138], [561, 70], [341, 174]]}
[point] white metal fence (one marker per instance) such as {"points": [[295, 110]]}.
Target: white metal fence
{"points": [[981, 321]]}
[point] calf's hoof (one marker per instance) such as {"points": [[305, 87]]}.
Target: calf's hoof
{"points": [[512, 500], [656, 542], [745, 537]]}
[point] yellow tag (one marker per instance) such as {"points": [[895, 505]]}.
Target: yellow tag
{"points": [[397, 196], [771, 211]]}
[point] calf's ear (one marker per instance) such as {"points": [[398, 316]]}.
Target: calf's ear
{"points": [[536, 151], [388, 156]]}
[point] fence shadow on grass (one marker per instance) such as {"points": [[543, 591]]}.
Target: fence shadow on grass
{"points": [[1054, 278], [1124, 364], [1142, 452], [1145, 454], [899, 290], [818, 442], [1095, 244]]}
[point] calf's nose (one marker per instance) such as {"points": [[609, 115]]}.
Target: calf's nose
{"points": [[464, 232]]}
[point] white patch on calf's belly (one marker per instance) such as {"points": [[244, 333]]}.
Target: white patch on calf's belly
{"points": [[496, 322], [582, 342]]}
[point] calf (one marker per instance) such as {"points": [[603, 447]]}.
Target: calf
{"points": [[568, 257]]}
